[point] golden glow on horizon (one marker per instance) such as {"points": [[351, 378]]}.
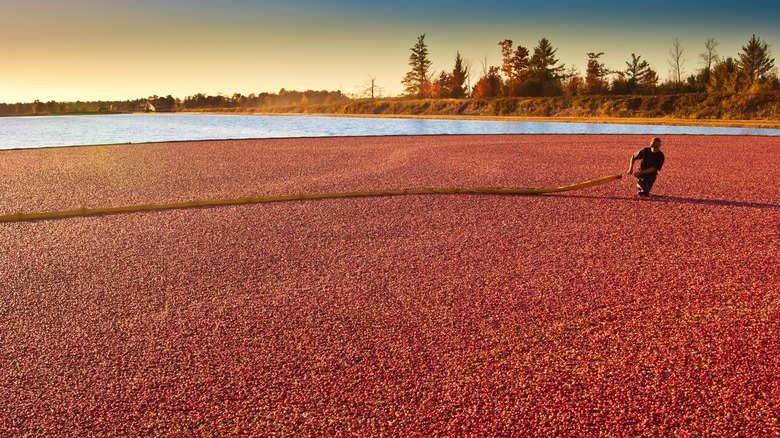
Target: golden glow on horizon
{"points": [[111, 50]]}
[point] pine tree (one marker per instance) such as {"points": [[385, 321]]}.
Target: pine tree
{"points": [[595, 74], [442, 87], [639, 73], [543, 64], [755, 62], [458, 78], [417, 81], [546, 74]]}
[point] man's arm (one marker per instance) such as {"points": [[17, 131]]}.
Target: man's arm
{"points": [[631, 164], [643, 172]]}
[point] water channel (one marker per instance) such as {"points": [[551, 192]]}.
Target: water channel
{"points": [[53, 131]]}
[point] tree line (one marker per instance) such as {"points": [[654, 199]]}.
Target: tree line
{"points": [[539, 73], [263, 100], [522, 73], [168, 103]]}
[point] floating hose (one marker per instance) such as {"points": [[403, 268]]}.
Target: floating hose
{"points": [[190, 204]]}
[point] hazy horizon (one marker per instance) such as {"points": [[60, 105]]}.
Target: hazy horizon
{"points": [[114, 50]]}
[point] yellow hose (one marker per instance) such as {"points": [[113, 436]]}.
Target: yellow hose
{"points": [[251, 200]]}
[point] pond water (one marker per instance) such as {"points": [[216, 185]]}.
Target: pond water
{"points": [[52, 131]]}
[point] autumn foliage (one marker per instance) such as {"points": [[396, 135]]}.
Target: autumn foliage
{"points": [[489, 85], [589, 313]]}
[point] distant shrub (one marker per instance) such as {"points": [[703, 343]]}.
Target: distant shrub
{"points": [[501, 107], [633, 103]]}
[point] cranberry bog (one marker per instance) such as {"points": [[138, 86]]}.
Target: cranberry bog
{"points": [[585, 313]]}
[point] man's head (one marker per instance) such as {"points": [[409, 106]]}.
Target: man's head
{"points": [[655, 143]]}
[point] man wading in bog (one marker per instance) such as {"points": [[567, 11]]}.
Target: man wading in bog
{"points": [[652, 161]]}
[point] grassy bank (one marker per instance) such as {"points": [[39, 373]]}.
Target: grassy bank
{"points": [[755, 109]]}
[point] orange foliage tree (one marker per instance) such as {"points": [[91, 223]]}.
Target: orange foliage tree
{"points": [[489, 85]]}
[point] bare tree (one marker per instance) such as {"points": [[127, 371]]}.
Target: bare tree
{"points": [[676, 60], [484, 66], [708, 59], [370, 89], [469, 65], [710, 55]]}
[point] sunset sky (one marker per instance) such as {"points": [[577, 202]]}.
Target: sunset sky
{"points": [[119, 49]]}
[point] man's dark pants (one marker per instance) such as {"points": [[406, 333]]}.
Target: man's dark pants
{"points": [[645, 183]]}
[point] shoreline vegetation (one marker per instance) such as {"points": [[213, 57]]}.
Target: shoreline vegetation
{"points": [[758, 110], [749, 110]]}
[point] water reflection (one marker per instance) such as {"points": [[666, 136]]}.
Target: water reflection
{"points": [[32, 132]]}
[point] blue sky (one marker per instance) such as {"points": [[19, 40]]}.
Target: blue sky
{"points": [[112, 49]]}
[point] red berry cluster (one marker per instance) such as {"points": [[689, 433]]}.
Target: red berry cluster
{"points": [[589, 313]]}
